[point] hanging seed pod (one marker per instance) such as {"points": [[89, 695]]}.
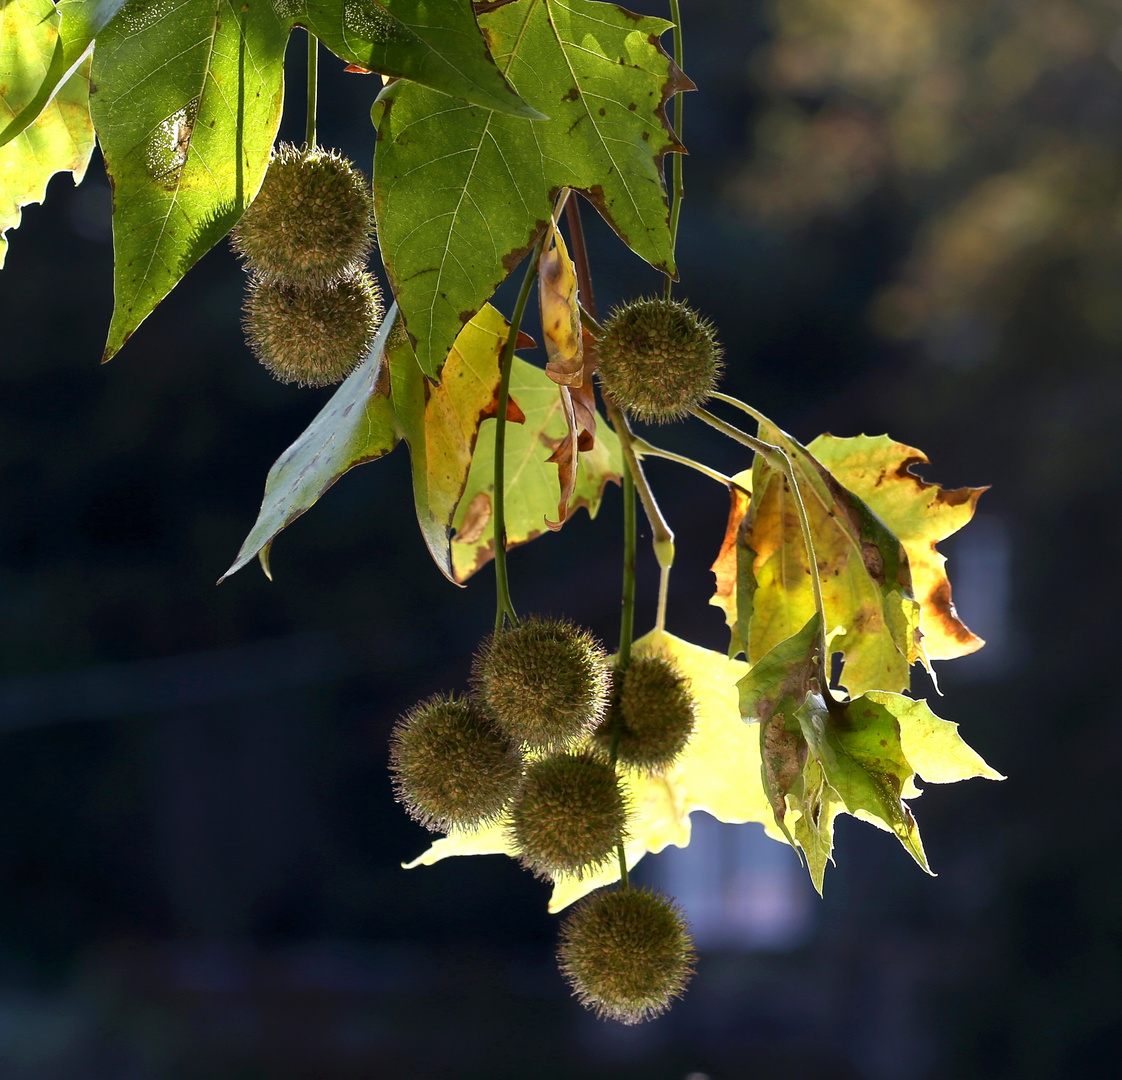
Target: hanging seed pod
{"points": [[452, 768], [658, 358], [312, 336], [569, 815], [626, 953], [312, 220], [546, 682]]}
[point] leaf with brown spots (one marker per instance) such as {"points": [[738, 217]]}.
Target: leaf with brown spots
{"points": [[879, 470], [866, 583], [454, 224], [531, 495], [821, 757]]}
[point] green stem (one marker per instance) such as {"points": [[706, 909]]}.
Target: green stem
{"points": [[743, 406], [662, 536], [503, 605], [644, 449], [677, 168], [313, 83], [627, 614], [777, 458]]}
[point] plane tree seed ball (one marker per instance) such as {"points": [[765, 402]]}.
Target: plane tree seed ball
{"points": [[546, 681], [452, 768], [658, 358], [653, 711], [312, 220], [626, 953], [569, 815], [312, 336]]}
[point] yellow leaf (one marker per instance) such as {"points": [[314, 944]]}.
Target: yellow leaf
{"points": [[878, 470], [560, 311]]}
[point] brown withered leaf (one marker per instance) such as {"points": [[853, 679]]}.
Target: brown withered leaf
{"points": [[724, 566], [560, 312], [565, 457]]}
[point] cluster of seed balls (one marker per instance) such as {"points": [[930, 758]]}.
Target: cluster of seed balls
{"points": [[312, 310], [536, 744]]}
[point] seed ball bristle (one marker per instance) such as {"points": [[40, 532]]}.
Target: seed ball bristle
{"points": [[312, 220], [452, 768], [569, 815], [658, 358], [546, 681], [653, 710], [313, 336], [627, 954]]}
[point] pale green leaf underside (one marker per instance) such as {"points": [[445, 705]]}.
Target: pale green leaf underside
{"points": [[454, 223], [61, 137], [357, 424]]}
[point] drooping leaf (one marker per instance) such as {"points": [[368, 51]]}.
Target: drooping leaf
{"points": [[357, 424], [454, 224], [822, 757], [560, 312], [44, 139], [718, 773], [863, 567], [532, 489], [433, 44], [187, 98], [442, 423], [76, 22], [878, 470]]}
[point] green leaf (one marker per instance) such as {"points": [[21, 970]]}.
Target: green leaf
{"points": [[878, 470], [454, 224], [77, 21], [822, 757], [187, 98], [718, 773], [41, 140], [356, 425], [866, 582], [437, 45], [531, 481]]}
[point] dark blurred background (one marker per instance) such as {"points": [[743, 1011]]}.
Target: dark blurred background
{"points": [[905, 216]]}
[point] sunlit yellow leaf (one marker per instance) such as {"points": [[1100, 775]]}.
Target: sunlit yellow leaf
{"points": [[878, 469]]}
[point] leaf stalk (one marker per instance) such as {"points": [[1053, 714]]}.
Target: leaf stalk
{"points": [[503, 605], [313, 88], [677, 169]]}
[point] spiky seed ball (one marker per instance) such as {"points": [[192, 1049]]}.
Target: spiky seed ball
{"points": [[546, 681], [659, 358], [569, 815], [452, 768], [653, 709], [312, 219], [626, 953], [312, 336]]}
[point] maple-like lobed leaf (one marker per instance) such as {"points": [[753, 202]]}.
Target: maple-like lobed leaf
{"points": [[822, 757], [879, 470], [42, 137], [453, 225], [718, 773]]}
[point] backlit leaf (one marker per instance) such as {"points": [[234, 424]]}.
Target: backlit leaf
{"points": [[357, 424], [718, 773], [532, 486], [56, 138], [453, 225], [866, 583], [822, 757], [434, 44], [187, 98], [878, 470]]}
